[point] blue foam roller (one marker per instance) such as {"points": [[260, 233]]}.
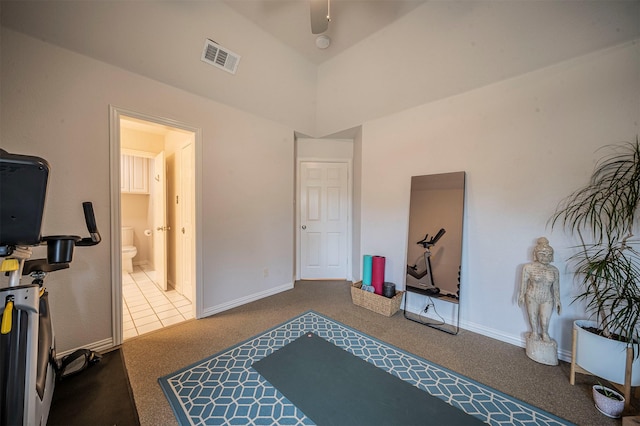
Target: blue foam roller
{"points": [[367, 267]]}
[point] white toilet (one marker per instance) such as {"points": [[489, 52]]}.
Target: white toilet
{"points": [[129, 251]]}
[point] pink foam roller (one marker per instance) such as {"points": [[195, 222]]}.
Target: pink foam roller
{"points": [[377, 273]]}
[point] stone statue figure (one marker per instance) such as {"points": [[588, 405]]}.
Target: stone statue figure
{"points": [[540, 291]]}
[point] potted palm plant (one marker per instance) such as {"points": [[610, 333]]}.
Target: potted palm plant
{"points": [[603, 216]]}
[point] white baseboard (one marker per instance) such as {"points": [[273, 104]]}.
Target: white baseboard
{"points": [[564, 355], [100, 346], [244, 300], [107, 344]]}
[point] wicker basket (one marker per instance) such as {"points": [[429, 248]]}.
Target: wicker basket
{"points": [[387, 306]]}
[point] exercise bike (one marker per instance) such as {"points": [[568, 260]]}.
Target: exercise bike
{"points": [[422, 267], [420, 280], [28, 364]]}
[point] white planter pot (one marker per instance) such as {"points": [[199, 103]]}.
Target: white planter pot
{"points": [[610, 407], [602, 357]]}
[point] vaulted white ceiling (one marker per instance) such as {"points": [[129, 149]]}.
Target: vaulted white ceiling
{"points": [[351, 21], [386, 55]]}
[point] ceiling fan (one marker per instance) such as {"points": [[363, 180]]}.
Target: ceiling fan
{"points": [[320, 15]]}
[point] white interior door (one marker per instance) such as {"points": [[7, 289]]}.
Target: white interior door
{"points": [[186, 270], [160, 228], [324, 211]]}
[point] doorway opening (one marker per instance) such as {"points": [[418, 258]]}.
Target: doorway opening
{"points": [[154, 244], [324, 207]]}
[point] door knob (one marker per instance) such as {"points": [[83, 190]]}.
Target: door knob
{"points": [[304, 226]]}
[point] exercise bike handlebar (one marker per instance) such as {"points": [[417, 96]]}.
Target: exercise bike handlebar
{"points": [[90, 219], [438, 236], [430, 243]]}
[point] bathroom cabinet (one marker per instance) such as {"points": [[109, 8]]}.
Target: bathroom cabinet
{"points": [[134, 174]]}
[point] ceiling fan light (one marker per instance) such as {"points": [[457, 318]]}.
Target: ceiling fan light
{"points": [[323, 41]]}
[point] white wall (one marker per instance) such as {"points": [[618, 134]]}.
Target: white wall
{"points": [[135, 213], [356, 264], [331, 149], [444, 48], [55, 104], [525, 143], [164, 40], [440, 49]]}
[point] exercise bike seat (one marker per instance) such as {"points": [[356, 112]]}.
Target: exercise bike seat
{"points": [[41, 265]]}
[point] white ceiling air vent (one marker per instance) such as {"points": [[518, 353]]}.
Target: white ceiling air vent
{"points": [[218, 56]]}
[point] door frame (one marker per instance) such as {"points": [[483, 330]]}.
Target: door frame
{"points": [[298, 219], [181, 214], [159, 250], [115, 114]]}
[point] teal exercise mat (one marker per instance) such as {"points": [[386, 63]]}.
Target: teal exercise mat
{"points": [[333, 387]]}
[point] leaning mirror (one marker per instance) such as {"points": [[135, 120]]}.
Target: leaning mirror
{"points": [[434, 250]]}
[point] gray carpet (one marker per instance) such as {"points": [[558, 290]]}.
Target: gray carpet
{"points": [[499, 365]]}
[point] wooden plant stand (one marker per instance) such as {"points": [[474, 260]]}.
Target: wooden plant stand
{"points": [[625, 388]]}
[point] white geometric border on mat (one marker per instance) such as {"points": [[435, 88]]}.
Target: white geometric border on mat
{"points": [[224, 389]]}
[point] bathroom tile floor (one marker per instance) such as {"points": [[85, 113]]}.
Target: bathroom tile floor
{"points": [[147, 308]]}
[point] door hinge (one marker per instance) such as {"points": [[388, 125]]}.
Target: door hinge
{"points": [[177, 199]]}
